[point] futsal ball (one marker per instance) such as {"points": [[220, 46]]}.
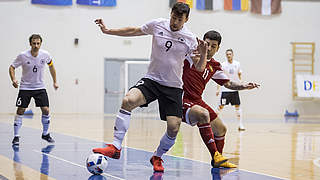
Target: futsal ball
{"points": [[96, 163]]}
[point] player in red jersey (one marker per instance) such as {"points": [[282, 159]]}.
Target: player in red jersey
{"points": [[196, 111]]}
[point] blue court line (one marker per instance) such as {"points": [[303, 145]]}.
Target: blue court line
{"points": [[66, 160]]}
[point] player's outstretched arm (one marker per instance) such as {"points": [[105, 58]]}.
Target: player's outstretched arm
{"points": [[13, 77], [127, 31], [240, 86]]}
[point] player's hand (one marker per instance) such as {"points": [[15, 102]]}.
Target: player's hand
{"points": [[100, 23], [202, 46], [195, 56], [55, 86], [15, 83], [252, 85]]}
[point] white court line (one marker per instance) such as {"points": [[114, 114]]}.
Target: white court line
{"points": [[317, 162], [61, 159]]}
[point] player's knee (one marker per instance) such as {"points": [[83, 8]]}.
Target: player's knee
{"points": [[20, 111], [45, 110], [223, 130], [220, 130], [128, 103], [202, 115], [173, 128]]}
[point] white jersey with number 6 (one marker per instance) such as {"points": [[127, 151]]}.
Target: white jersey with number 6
{"points": [[169, 49], [32, 69]]}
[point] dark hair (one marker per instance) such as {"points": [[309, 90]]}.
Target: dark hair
{"points": [[213, 35], [34, 36], [229, 50], [181, 8]]}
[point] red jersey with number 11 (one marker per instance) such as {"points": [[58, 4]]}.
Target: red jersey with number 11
{"points": [[194, 82]]}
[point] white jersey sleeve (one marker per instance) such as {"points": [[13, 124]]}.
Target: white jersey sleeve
{"points": [[17, 62], [47, 57]]}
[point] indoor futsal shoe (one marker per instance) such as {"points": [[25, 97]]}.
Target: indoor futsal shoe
{"points": [[48, 138], [218, 159], [157, 164], [110, 151], [228, 165]]}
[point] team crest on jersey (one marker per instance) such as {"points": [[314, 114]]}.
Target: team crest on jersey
{"points": [[160, 33], [181, 39], [42, 61], [211, 69], [28, 62]]}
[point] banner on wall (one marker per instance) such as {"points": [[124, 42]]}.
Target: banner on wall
{"points": [[189, 2], [109, 3], [266, 7], [209, 4], [308, 85], [53, 2], [236, 5]]}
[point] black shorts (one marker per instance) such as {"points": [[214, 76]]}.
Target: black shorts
{"points": [[40, 97], [230, 97], [169, 98]]}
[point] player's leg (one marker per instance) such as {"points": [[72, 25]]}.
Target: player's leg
{"points": [[166, 142], [170, 107], [239, 117], [220, 130], [22, 103], [217, 158], [202, 116], [132, 99], [223, 102], [235, 100], [41, 99]]}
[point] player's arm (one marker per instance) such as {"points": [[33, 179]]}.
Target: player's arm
{"points": [[240, 86], [53, 75], [13, 76], [199, 56], [127, 31]]}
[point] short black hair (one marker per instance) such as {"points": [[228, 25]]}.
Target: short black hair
{"points": [[229, 50], [213, 35], [34, 36], [181, 8]]}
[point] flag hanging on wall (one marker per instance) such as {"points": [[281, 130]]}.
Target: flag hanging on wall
{"points": [[209, 4], [189, 2], [97, 2], [266, 7], [53, 2], [236, 5]]}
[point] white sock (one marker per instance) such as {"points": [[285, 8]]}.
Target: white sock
{"points": [[17, 124], [239, 116], [45, 119], [166, 143], [121, 127]]}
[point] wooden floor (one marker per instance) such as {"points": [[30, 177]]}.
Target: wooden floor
{"points": [[275, 148]]}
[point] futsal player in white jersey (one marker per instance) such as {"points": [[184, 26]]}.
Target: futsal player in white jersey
{"points": [[171, 43], [232, 69], [33, 62]]}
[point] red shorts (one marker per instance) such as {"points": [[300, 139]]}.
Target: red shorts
{"points": [[187, 104]]}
